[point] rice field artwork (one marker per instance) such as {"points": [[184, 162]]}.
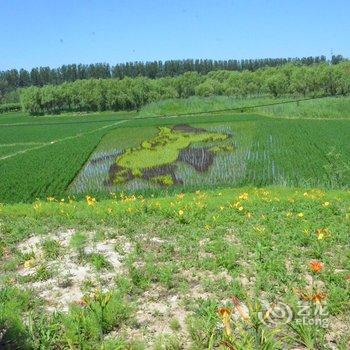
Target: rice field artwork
{"points": [[162, 161]]}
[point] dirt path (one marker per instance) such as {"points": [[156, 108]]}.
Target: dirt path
{"points": [[20, 144]]}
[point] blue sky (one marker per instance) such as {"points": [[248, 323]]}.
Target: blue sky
{"points": [[51, 33]]}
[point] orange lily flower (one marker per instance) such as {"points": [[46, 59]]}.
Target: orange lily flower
{"points": [[225, 314], [316, 266]]}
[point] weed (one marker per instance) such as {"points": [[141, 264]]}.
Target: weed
{"points": [[43, 273], [98, 261], [51, 248], [78, 242], [175, 325]]}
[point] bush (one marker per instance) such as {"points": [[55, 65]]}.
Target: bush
{"points": [[10, 107]]}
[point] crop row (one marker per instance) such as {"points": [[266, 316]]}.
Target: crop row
{"points": [[265, 152], [46, 171]]}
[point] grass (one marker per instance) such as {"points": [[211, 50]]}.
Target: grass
{"points": [[331, 107], [98, 261], [78, 242], [171, 267], [51, 248], [200, 104], [327, 108]]}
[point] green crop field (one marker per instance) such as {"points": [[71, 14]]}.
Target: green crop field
{"points": [[99, 153], [264, 151], [40, 157]]}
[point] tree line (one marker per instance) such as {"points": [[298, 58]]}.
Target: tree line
{"points": [[13, 79], [131, 93]]}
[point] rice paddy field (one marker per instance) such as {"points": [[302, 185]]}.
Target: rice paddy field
{"points": [[254, 150], [83, 154]]}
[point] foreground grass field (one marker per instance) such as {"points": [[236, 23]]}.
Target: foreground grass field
{"points": [[232, 269]]}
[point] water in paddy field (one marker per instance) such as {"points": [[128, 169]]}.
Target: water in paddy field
{"points": [[94, 175], [196, 166]]}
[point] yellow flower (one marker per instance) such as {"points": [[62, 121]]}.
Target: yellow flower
{"points": [[181, 212], [300, 215], [249, 215], [37, 206], [322, 233], [222, 208], [244, 196], [128, 199], [90, 200], [181, 195], [207, 227], [29, 264], [260, 229], [109, 210], [240, 208], [326, 204], [50, 199], [200, 204], [130, 209], [289, 214]]}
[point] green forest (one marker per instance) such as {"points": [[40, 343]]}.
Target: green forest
{"points": [[291, 79], [39, 76]]}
